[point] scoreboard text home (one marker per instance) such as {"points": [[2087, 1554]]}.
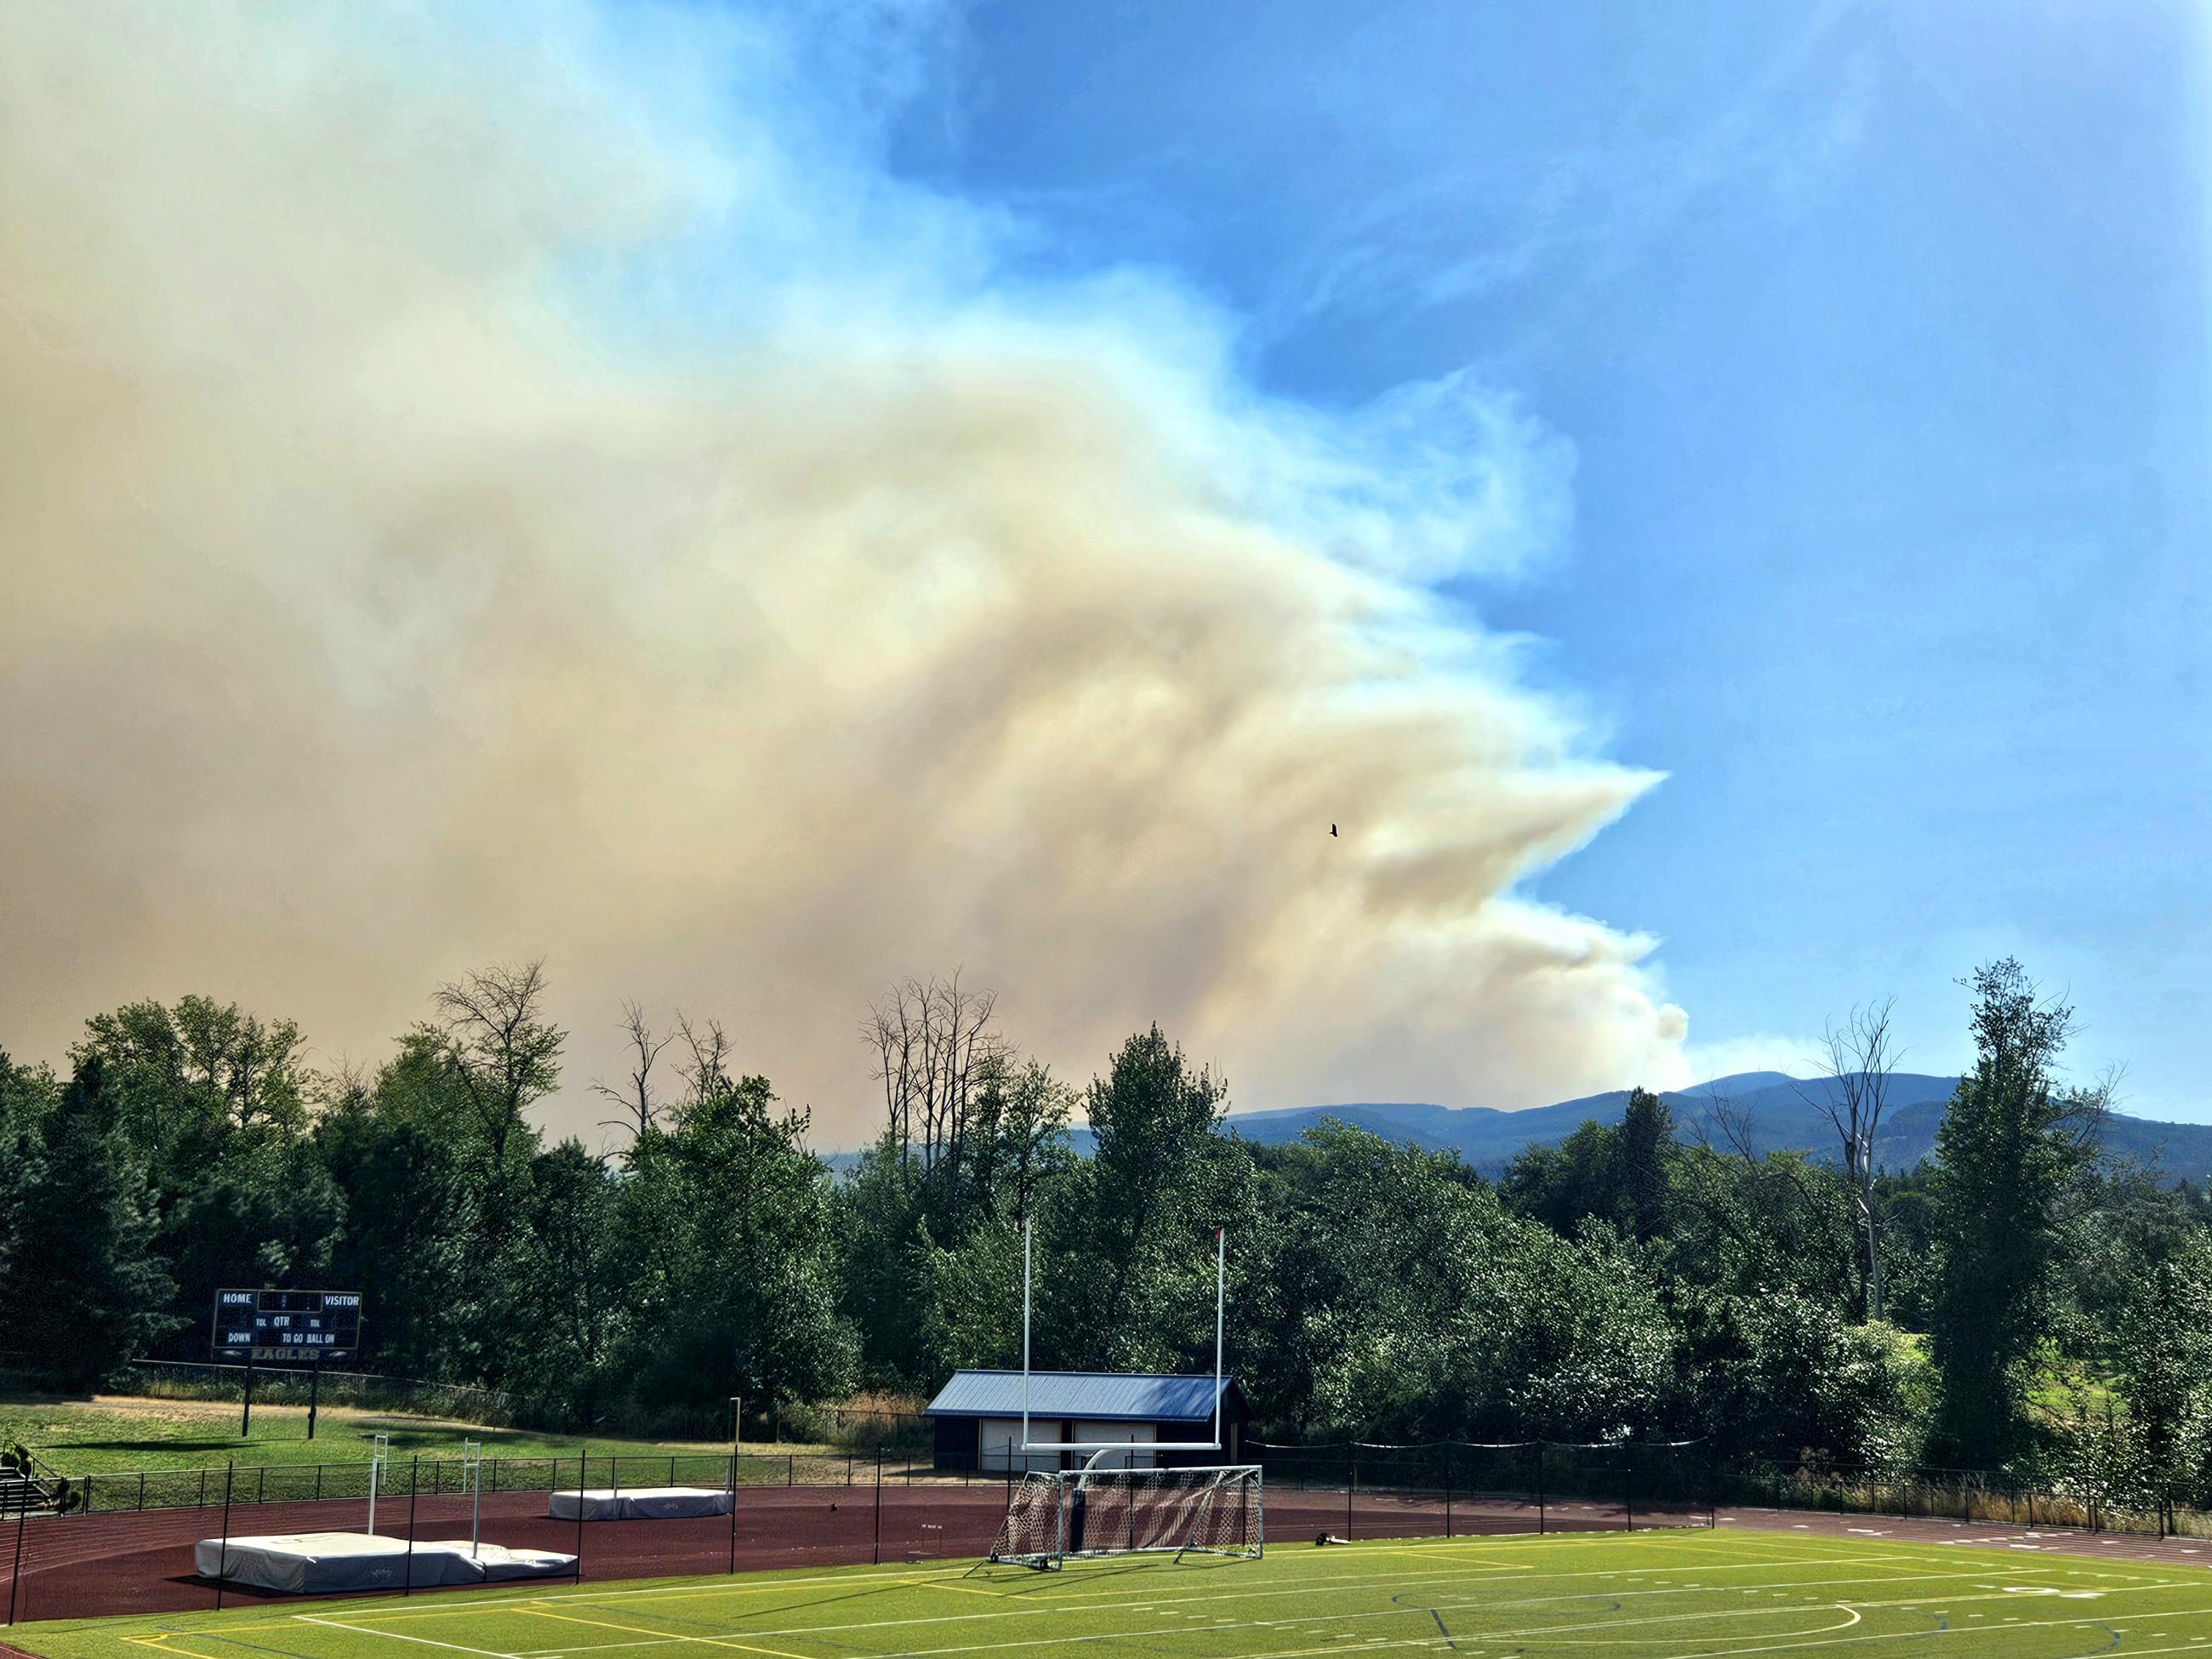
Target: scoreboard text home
{"points": [[280, 1325]]}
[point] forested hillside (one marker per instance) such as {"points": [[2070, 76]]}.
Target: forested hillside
{"points": [[2017, 1299], [1768, 1111]]}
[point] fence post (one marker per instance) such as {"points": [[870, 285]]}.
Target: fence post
{"points": [[222, 1550], [581, 1458], [879, 1506], [1628, 1488], [1540, 1489], [791, 1469], [414, 1485], [733, 1506], [1350, 1486], [1447, 1489], [141, 1491]]}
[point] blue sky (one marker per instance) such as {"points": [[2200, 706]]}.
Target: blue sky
{"points": [[1880, 337]]}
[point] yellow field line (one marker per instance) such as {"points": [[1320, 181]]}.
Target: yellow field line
{"points": [[162, 1644], [658, 1638], [688, 1585]]}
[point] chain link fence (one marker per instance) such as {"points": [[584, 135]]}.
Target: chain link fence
{"points": [[125, 1544]]}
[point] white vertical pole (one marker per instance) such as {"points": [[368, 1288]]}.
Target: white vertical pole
{"points": [[377, 1448], [1026, 1226], [1220, 1306], [474, 1451]]}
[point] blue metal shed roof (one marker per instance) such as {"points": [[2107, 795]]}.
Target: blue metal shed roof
{"points": [[1101, 1396]]}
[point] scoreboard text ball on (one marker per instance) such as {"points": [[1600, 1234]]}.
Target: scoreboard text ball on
{"points": [[280, 1325]]}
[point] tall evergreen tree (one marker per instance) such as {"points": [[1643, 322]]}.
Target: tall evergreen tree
{"points": [[1646, 1145], [1130, 1250], [2009, 1146], [27, 1095], [86, 1292]]}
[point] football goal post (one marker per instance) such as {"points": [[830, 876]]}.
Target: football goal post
{"points": [[1123, 1508], [1052, 1516]]}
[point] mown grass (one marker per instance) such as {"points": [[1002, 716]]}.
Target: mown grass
{"points": [[1650, 1595], [121, 1432]]}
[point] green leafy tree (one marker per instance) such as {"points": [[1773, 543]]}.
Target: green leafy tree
{"points": [[969, 1301], [1382, 1264], [1585, 1348], [397, 1150], [214, 1103], [731, 1280], [965, 1286], [570, 1300], [27, 1095], [2010, 1144], [1130, 1257], [1620, 1173], [2162, 1366], [86, 1292]]}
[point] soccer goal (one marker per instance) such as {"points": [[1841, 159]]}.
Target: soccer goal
{"points": [[1112, 1511]]}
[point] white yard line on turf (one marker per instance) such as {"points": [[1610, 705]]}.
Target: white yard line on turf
{"points": [[2106, 1620], [1786, 1546], [1887, 1554], [801, 1632], [398, 1635], [1951, 1575], [711, 1641]]}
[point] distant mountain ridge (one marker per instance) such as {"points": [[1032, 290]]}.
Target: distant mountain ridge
{"points": [[1775, 1110]]}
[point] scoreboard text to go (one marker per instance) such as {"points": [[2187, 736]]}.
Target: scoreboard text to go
{"points": [[287, 1324]]}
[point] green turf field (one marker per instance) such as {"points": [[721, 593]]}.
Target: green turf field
{"points": [[1639, 1596]]}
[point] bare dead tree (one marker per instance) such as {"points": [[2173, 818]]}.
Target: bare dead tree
{"points": [[2087, 1106], [640, 1107], [705, 1067], [1860, 1054], [934, 1044], [1738, 1132], [501, 1052]]}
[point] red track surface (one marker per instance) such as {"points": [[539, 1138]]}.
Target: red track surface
{"points": [[77, 1566]]}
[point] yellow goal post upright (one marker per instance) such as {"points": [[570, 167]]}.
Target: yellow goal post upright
{"points": [[1213, 1508]]}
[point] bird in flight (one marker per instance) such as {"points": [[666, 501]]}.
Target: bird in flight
{"points": [[1332, 829]]}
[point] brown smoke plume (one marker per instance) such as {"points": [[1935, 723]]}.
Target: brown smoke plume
{"points": [[405, 562]]}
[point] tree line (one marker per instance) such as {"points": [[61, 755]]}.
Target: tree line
{"points": [[2017, 1302]]}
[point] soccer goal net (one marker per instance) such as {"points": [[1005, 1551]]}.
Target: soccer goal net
{"points": [[1068, 1512]]}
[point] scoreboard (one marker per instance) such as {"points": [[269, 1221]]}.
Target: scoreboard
{"points": [[296, 1325]]}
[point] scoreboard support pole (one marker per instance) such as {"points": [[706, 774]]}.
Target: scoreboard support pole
{"points": [[314, 1392], [245, 1417]]}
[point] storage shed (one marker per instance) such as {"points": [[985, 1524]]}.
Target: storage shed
{"points": [[977, 1419]]}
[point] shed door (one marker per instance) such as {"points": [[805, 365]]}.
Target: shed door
{"points": [[999, 1449], [1138, 1434]]}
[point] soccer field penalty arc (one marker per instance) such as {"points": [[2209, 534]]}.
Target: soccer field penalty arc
{"points": [[1093, 1511]]}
